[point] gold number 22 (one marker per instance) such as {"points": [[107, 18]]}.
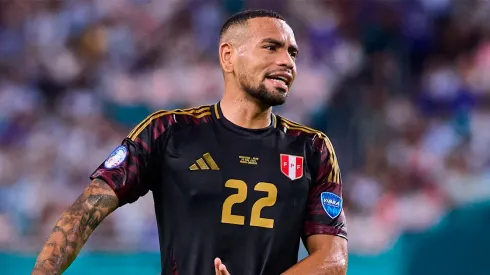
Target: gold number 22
{"points": [[241, 196]]}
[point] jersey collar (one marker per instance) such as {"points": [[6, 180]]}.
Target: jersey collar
{"points": [[218, 115]]}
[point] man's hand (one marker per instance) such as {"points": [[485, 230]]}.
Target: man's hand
{"points": [[220, 268]]}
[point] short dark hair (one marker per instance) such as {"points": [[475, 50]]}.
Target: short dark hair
{"points": [[244, 16]]}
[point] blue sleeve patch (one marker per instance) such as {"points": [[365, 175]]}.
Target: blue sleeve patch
{"points": [[332, 204], [116, 158]]}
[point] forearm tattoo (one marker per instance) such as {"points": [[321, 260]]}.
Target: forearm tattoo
{"points": [[74, 228]]}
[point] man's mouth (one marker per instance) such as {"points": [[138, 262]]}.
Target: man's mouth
{"points": [[279, 79], [282, 79]]}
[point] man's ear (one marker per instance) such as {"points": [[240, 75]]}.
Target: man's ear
{"points": [[226, 57]]}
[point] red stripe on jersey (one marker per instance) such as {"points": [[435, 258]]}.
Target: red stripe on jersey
{"points": [[174, 267], [285, 164], [299, 167]]}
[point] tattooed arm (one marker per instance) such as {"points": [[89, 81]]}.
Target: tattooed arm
{"points": [[122, 178], [74, 228]]}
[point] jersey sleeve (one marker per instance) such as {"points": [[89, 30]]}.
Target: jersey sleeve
{"points": [[128, 169], [324, 212]]}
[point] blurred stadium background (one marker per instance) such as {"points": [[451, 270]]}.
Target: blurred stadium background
{"points": [[402, 87]]}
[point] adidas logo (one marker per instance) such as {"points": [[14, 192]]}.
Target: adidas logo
{"points": [[204, 163]]}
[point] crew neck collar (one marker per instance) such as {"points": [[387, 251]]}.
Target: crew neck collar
{"points": [[218, 115]]}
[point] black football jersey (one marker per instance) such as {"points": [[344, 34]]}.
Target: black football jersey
{"points": [[220, 190]]}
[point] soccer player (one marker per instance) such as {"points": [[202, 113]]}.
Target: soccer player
{"points": [[235, 186]]}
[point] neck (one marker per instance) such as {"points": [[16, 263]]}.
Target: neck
{"points": [[245, 112]]}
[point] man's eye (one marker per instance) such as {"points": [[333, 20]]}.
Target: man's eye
{"points": [[270, 48]]}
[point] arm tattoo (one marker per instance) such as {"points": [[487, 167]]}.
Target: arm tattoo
{"points": [[74, 228]]}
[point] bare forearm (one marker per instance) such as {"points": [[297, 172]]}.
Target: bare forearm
{"points": [[315, 264], [74, 228], [328, 256]]}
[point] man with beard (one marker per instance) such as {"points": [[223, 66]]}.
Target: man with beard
{"points": [[235, 186]]}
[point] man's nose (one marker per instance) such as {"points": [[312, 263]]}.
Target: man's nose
{"points": [[286, 60]]}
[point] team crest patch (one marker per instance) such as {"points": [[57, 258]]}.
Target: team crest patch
{"points": [[332, 204], [116, 158], [292, 166]]}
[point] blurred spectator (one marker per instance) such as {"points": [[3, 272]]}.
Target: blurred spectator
{"points": [[402, 88]]}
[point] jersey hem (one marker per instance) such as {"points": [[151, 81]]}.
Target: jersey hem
{"points": [[340, 232], [109, 182]]}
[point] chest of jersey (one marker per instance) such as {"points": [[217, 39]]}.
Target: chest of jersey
{"points": [[238, 181]]}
